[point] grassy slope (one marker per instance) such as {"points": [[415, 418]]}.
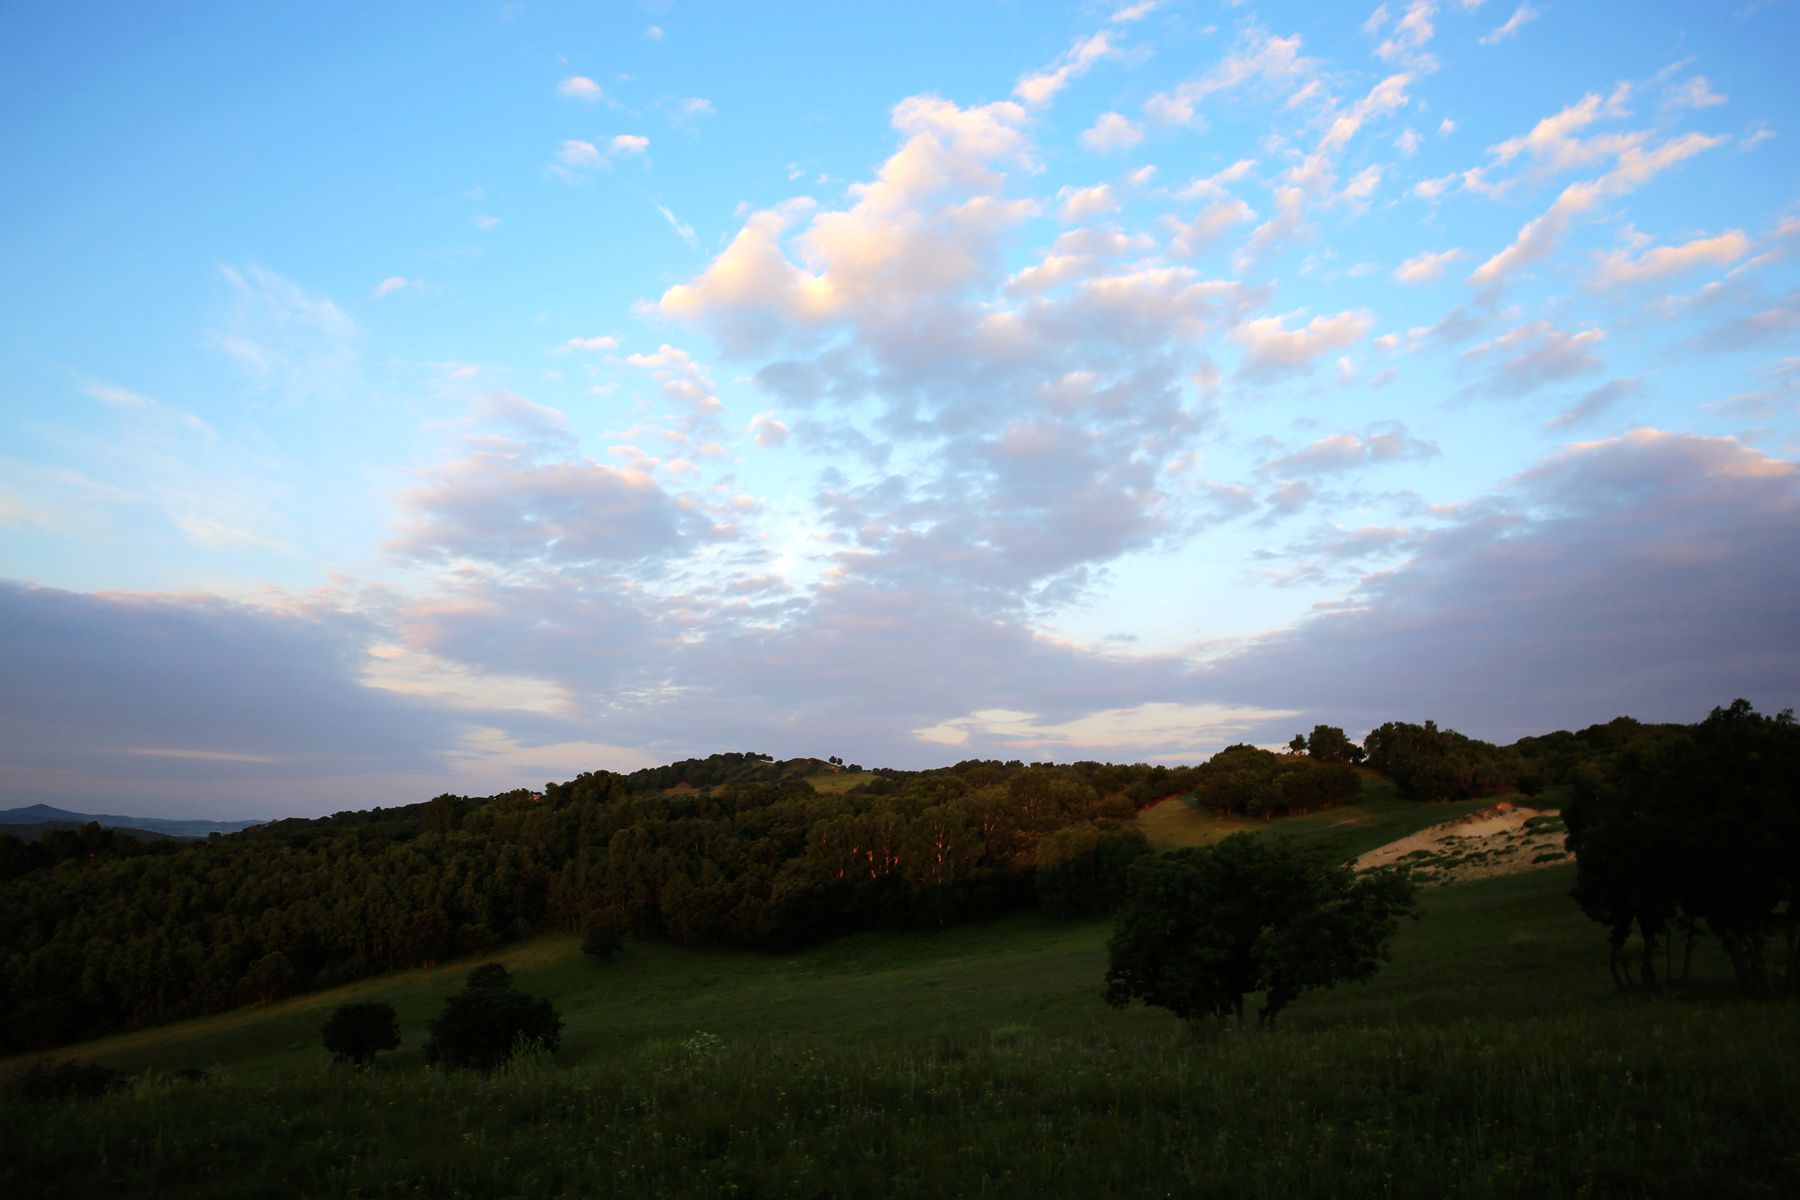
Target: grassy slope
{"points": [[1491, 1057]]}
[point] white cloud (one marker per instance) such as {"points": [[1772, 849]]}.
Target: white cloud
{"points": [[682, 229], [1513, 24], [768, 430], [390, 285], [576, 153], [1133, 12], [580, 87], [629, 143], [1163, 728], [1427, 267], [1213, 186], [1538, 239], [592, 345], [1529, 356], [1272, 349], [1411, 34], [1112, 132], [1694, 93], [1620, 269], [485, 223], [1206, 228], [1082, 204], [1257, 57], [1037, 88], [653, 33]]}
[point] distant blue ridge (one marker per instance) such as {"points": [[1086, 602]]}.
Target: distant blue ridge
{"points": [[41, 814]]}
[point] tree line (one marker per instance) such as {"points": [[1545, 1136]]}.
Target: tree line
{"points": [[100, 933]]}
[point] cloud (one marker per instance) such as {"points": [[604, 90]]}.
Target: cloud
{"points": [[592, 345], [129, 690], [1427, 267], [629, 143], [1512, 25], [1212, 223], [1619, 269], [580, 87], [924, 228], [1084, 204], [1112, 132], [1412, 33], [283, 336], [576, 153], [1538, 239], [768, 430], [1271, 350], [1649, 574], [1133, 12], [487, 224], [1258, 57], [1161, 730], [1529, 356], [1693, 93], [390, 285], [682, 229], [517, 496], [1037, 88], [1213, 187], [1347, 451], [1595, 404]]}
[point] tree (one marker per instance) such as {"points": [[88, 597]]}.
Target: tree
{"points": [[1298, 745], [482, 1026], [1203, 928], [1328, 744], [358, 1032], [488, 975], [604, 934], [1702, 827]]}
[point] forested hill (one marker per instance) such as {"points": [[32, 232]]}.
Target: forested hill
{"points": [[100, 932]]}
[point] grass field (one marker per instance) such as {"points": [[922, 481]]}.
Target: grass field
{"points": [[1491, 1057]]}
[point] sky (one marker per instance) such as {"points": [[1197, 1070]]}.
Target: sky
{"points": [[408, 398]]}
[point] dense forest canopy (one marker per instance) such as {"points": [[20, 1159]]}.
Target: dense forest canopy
{"points": [[103, 932]]}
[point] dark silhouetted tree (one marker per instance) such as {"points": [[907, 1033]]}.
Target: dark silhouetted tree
{"points": [[1704, 827], [357, 1032], [481, 1027], [1328, 744], [1203, 928], [604, 934]]}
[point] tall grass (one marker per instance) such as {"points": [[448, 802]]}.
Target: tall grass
{"points": [[1663, 1098]]}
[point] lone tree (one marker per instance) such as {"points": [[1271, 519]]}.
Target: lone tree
{"points": [[604, 934], [1203, 928], [1704, 827], [481, 1026], [358, 1032]]}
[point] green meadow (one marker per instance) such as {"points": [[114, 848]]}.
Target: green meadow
{"points": [[1490, 1057]]}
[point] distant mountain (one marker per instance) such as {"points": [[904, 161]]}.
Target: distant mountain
{"points": [[44, 814]]}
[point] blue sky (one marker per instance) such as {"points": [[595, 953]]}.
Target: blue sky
{"points": [[414, 398]]}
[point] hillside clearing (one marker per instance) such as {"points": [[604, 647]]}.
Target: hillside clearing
{"points": [[1499, 839]]}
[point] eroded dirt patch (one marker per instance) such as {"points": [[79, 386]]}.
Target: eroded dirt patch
{"points": [[1501, 839]]}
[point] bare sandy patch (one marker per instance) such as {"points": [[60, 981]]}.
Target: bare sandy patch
{"points": [[1501, 839]]}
